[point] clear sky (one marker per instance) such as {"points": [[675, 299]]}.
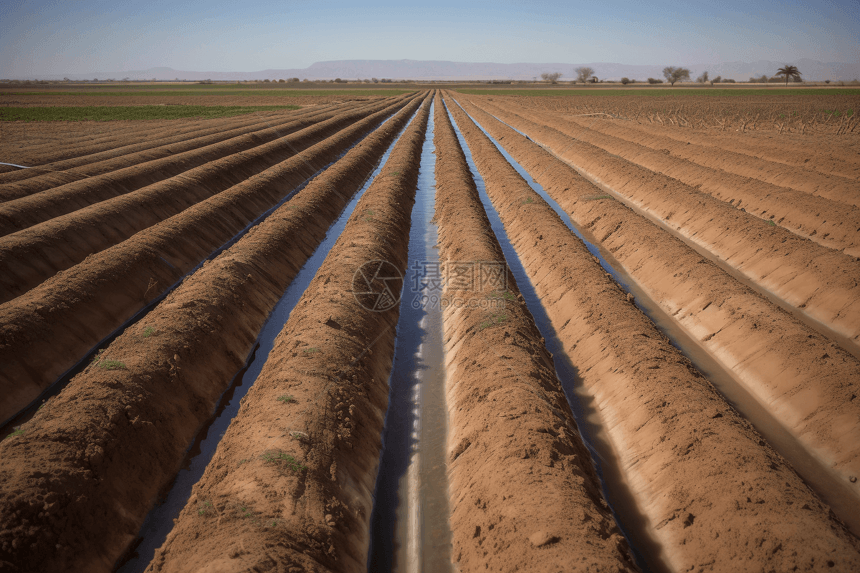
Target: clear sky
{"points": [[83, 36]]}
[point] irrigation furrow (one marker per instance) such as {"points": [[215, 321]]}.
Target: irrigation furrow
{"points": [[52, 175], [522, 481], [99, 137], [290, 484], [731, 162], [114, 439], [826, 220], [823, 284], [797, 152], [701, 474], [831, 220], [31, 256], [409, 522], [27, 211], [48, 330], [85, 139], [773, 356]]}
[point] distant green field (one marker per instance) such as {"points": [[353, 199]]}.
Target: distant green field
{"points": [[665, 91], [218, 92], [110, 113]]}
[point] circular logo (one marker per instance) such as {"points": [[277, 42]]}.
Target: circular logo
{"points": [[376, 285]]}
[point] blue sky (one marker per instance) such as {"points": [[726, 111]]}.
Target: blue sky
{"points": [[54, 37]]}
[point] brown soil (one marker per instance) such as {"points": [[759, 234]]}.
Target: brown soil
{"points": [[799, 374], [156, 145], [823, 283], [311, 511], [717, 497], [804, 178], [31, 256], [243, 100], [524, 494], [825, 219], [812, 152], [30, 210], [48, 329], [798, 116], [39, 143], [111, 439]]}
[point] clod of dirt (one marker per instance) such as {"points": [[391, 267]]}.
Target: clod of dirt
{"points": [[541, 538]]}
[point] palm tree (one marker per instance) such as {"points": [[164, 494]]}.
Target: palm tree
{"points": [[789, 72]]}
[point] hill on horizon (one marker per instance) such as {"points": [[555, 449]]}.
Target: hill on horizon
{"points": [[444, 70]]}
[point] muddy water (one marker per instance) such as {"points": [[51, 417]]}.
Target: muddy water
{"points": [[410, 531], [632, 522], [159, 522], [832, 490]]}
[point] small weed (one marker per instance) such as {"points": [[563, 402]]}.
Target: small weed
{"points": [[311, 350], [368, 215], [98, 355], [771, 223], [18, 432], [528, 200], [204, 507], [108, 364], [507, 295], [301, 436], [286, 399], [493, 320], [243, 461], [147, 332], [597, 197], [282, 458], [394, 173]]}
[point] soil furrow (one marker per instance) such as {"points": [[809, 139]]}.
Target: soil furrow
{"points": [[512, 430], [773, 355], [27, 211], [717, 496], [156, 138], [779, 174], [63, 172], [824, 284], [31, 256], [46, 331], [825, 219], [99, 137], [797, 151], [290, 485], [76, 140], [114, 440]]}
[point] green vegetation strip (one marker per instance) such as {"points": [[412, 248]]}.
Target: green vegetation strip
{"points": [[665, 91], [111, 113], [185, 92]]}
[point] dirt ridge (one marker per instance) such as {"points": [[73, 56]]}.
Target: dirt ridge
{"points": [[822, 283], [30, 210], [32, 255], [512, 430], [717, 496], [116, 440], [311, 510], [796, 372], [47, 330], [63, 172]]}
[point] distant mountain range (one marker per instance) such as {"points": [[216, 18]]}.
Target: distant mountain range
{"points": [[440, 70]]}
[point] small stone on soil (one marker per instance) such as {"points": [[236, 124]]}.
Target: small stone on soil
{"points": [[541, 538]]}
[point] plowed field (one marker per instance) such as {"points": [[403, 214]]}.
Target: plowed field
{"points": [[428, 331]]}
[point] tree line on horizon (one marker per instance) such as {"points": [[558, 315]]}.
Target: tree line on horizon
{"points": [[674, 74]]}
